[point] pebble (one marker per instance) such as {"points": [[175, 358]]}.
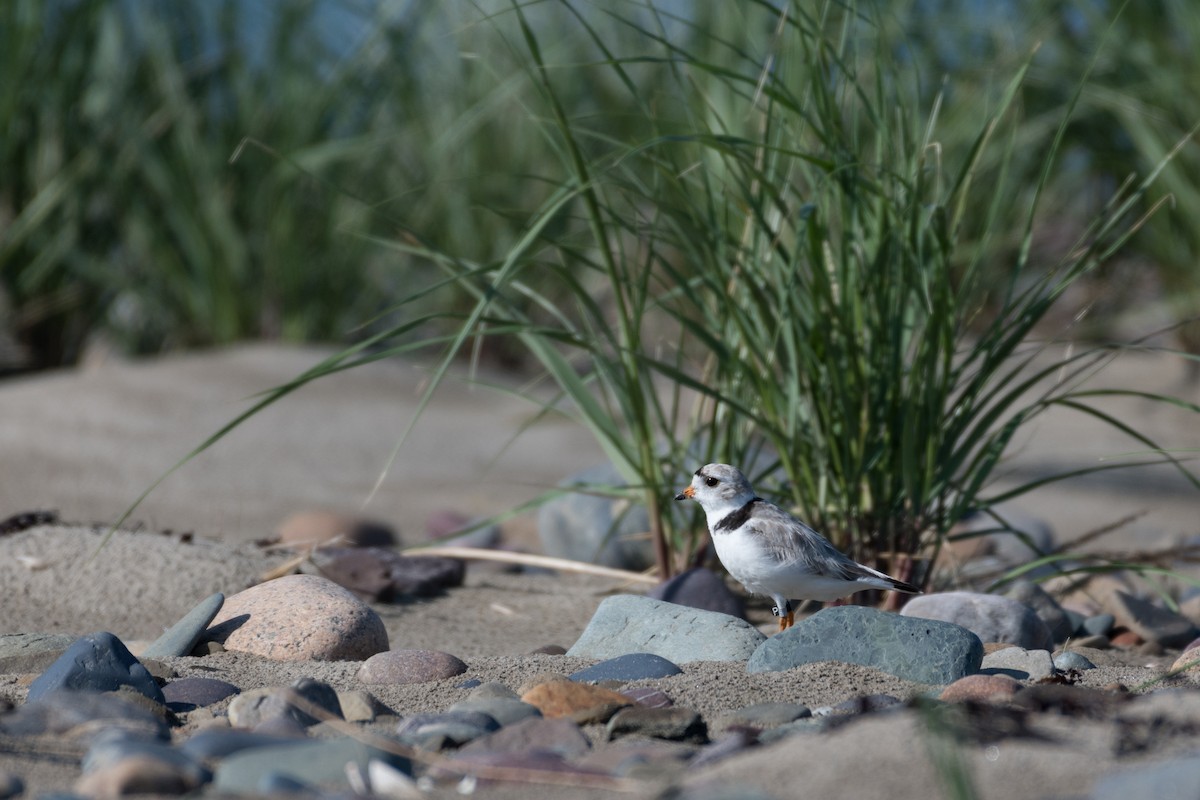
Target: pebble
{"points": [[1047, 609], [626, 624], [699, 588], [1099, 624], [504, 710], [675, 724], [437, 731], [99, 663], [921, 650], [1019, 663], [981, 689], [306, 762], [631, 667], [188, 694], [534, 734], [359, 705], [549, 650], [594, 528], [109, 748], [766, 715], [410, 666], [141, 774], [492, 689], [306, 702], [181, 637], [299, 618], [70, 713], [10, 785], [1151, 622], [579, 701], [1069, 659], [306, 529], [31, 652], [990, 617], [1175, 779], [648, 697], [381, 575]]}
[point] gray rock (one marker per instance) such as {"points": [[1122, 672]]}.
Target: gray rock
{"points": [[492, 689], [1176, 779], [675, 724], [181, 637], [1099, 625], [1047, 609], [110, 748], [1152, 623], [410, 666], [31, 652], [379, 574], [188, 694], [990, 617], [1076, 620], [926, 651], [306, 702], [64, 712], [212, 744], [630, 624], [1069, 659], [534, 734], [99, 663], [361, 706], [434, 731], [630, 667], [504, 710], [1019, 664], [309, 762], [766, 715], [700, 588], [10, 785], [590, 527]]}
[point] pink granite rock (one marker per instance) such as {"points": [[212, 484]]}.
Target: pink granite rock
{"points": [[299, 618]]}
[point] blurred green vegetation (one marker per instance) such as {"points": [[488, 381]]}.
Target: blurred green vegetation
{"points": [[124, 214]]}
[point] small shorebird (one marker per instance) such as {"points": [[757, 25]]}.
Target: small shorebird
{"points": [[771, 552]]}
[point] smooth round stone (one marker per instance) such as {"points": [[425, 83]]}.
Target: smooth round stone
{"points": [[1016, 662], [213, 744], [1099, 624], [188, 694], [410, 666], [99, 663], [305, 702], [631, 667], [492, 689], [1069, 659], [299, 618], [308, 528], [981, 688], [990, 617], [534, 734]]}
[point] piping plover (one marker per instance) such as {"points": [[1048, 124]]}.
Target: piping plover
{"points": [[773, 553]]}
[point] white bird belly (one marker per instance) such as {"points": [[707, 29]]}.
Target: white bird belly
{"points": [[760, 573]]}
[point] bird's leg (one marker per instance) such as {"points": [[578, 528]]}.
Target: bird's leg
{"points": [[787, 616]]}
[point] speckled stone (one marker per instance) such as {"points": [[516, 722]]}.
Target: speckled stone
{"points": [[299, 618], [410, 666]]}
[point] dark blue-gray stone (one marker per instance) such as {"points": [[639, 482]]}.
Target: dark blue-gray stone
{"points": [[699, 588], [318, 763], [188, 694], [98, 663], [181, 637], [631, 667], [627, 623], [921, 650]]}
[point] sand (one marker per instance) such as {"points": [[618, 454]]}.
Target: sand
{"points": [[86, 443]]}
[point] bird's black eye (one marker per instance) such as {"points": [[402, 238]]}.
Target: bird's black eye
{"points": [[711, 481]]}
